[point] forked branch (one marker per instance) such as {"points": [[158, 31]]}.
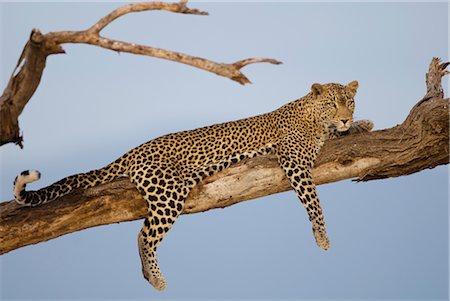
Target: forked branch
{"points": [[27, 74], [420, 142]]}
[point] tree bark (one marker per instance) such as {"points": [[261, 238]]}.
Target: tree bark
{"points": [[27, 74], [420, 142]]}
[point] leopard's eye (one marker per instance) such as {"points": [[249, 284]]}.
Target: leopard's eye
{"points": [[332, 104]]}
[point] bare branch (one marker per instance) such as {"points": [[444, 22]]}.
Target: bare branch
{"points": [[420, 142], [27, 74], [179, 7], [235, 67], [22, 85]]}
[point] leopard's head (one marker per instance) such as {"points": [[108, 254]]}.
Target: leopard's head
{"points": [[334, 104]]}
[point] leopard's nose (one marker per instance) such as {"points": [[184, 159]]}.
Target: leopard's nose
{"points": [[344, 121]]}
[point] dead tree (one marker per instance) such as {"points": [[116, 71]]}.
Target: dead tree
{"points": [[420, 142], [27, 74]]}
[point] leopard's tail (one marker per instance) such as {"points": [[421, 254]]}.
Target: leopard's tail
{"points": [[66, 185]]}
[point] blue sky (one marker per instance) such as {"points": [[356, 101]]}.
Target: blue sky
{"points": [[389, 237]]}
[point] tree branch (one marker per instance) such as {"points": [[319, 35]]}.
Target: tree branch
{"points": [[179, 7], [27, 74], [420, 142]]}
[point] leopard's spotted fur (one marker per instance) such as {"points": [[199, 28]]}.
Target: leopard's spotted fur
{"points": [[165, 169]]}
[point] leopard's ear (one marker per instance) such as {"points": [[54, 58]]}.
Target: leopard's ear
{"points": [[353, 87], [317, 89]]}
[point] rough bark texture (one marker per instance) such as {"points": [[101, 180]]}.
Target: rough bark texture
{"points": [[27, 74], [420, 142]]}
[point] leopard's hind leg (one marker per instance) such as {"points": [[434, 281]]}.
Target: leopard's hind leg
{"points": [[165, 192]]}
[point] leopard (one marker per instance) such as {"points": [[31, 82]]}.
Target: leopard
{"points": [[164, 170]]}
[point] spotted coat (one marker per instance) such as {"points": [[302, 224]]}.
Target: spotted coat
{"points": [[165, 169]]}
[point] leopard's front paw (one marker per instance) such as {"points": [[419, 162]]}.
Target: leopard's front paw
{"points": [[361, 126], [157, 281], [321, 239]]}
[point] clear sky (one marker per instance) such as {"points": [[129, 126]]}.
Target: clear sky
{"points": [[389, 238]]}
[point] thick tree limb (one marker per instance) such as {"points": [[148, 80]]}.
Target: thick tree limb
{"points": [[420, 142], [27, 74]]}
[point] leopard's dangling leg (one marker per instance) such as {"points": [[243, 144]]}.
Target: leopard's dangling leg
{"points": [[297, 168], [165, 193]]}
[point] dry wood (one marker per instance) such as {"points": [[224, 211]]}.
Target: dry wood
{"points": [[27, 74], [420, 142]]}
